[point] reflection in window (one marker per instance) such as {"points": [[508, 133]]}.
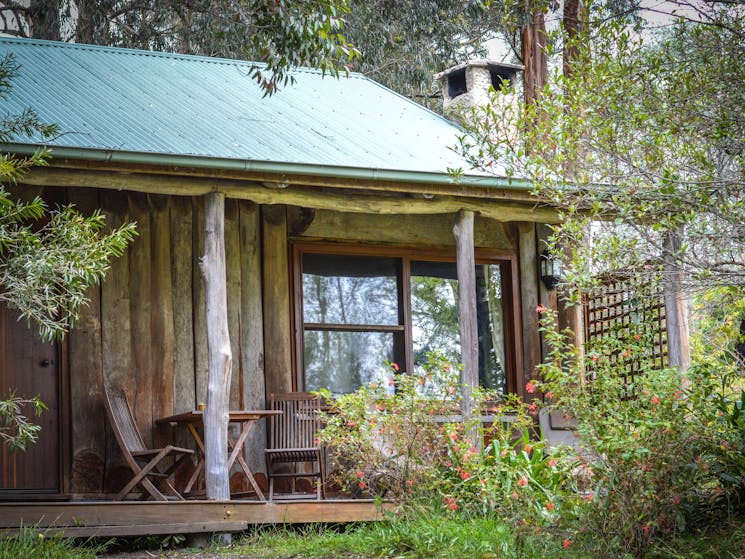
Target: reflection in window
{"points": [[353, 319], [344, 361], [349, 290], [434, 309]]}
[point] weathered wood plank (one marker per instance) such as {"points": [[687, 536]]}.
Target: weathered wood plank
{"points": [[200, 320], [419, 230], [277, 323], [197, 182], [86, 380], [182, 266], [529, 301], [116, 344], [161, 310], [140, 305], [220, 358], [118, 516], [313, 197], [252, 330], [465, 262], [233, 279]]}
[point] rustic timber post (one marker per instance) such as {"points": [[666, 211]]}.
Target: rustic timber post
{"points": [[676, 322], [220, 356], [469, 338]]}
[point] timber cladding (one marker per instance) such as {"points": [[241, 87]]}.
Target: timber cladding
{"points": [[144, 328]]}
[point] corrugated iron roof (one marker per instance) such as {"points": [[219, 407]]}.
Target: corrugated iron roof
{"points": [[124, 100]]}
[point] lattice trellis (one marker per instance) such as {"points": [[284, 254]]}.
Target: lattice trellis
{"points": [[620, 308]]}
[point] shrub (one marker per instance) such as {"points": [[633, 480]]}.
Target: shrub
{"points": [[397, 440], [666, 449]]}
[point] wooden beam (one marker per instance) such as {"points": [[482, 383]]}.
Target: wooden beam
{"points": [[529, 294], [220, 356], [308, 197], [132, 518], [465, 262], [277, 318], [262, 177]]}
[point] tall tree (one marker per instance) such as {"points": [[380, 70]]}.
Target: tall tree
{"points": [[654, 132]]}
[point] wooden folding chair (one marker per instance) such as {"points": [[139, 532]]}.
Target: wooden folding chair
{"points": [[292, 440], [143, 461]]}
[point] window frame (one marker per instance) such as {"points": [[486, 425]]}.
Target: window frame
{"points": [[510, 286]]}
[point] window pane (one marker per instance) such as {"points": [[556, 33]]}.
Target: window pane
{"points": [[490, 316], [350, 289], [344, 361], [434, 311], [434, 306]]}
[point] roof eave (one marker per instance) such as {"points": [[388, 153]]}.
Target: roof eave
{"points": [[274, 167]]}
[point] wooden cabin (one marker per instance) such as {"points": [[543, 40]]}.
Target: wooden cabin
{"points": [[340, 251]]}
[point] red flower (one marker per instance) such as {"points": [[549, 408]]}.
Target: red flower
{"points": [[464, 475], [549, 395], [360, 474], [530, 387], [452, 505], [637, 337], [550, 506], [523, 481], [540, 309], [655, 400], [391, 382], [395, 366], [566, 543], [453, 436], [552, 463], [515, 495], [362, 485], [527, 448]]}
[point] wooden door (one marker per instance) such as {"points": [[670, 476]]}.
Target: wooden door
{"points": [[30, 367]]}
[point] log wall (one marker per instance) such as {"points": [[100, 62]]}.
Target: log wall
{"points": [[145, 329]]}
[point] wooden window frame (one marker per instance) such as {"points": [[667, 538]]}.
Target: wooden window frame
{"points": [[510, 286]]}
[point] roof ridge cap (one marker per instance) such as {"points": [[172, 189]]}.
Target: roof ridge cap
{"points": [[162, 54]]}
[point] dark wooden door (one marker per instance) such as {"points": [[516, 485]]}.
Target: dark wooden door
{"points": [[30, 367]]}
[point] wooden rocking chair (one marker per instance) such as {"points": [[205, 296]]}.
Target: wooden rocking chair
{"points": [[143, 461], [292, 440]]}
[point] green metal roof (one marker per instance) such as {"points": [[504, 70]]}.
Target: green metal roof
{"points": [[150, 107]]}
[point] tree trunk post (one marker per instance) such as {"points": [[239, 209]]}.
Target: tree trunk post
{"points": [[676, 320], [218, 349], [469, 339]]}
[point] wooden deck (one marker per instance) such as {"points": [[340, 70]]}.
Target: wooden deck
{"points": [[106, 518]]}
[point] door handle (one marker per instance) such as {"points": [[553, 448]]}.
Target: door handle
{"points": [[46, 362]]}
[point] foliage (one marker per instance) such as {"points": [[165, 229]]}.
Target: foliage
{"points": [[16, 432], [667, 447], [30, 543], [396, 442], [279, 33], [640, 143], [48, 258]]}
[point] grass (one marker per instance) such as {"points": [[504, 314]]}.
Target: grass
{"points": [[33, 544]]}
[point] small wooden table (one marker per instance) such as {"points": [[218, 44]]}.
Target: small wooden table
{"points": [[191, 419]]}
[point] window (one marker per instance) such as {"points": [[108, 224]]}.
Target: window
{"points": [[354, 312]]}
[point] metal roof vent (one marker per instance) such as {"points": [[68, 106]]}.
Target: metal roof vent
{"points": [[467, 85]]}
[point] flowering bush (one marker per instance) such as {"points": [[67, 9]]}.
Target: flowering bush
{"points": [[411, 445], [663, 449]]}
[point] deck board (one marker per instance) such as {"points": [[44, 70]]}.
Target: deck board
{"points": [[105, 518]]}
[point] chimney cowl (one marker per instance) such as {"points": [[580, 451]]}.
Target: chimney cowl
{"points": [[467, 85]]}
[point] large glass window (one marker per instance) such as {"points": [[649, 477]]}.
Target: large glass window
{"points": [[360, 311]]}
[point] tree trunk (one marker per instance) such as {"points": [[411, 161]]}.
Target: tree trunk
{"points": [[533, 46], [218, 349], [44, 17], [469, 339], [675, 306]]}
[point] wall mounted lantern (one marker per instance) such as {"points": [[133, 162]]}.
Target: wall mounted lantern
{"points": [[550, 270]]}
